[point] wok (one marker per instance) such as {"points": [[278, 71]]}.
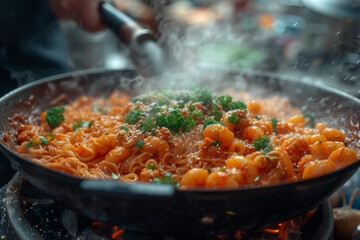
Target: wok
{"points": [[162, 208]]}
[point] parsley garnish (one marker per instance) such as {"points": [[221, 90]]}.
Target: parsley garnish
{"points": [[203, 96], [274, 123], [139, 144], [309, 119], [210, 121], [43, 140], [218, 115], [151, 166], [31, 144], [263, 144], [225, 102], [50, 135], [191, 108], [133, 116], [147, 125], [216, 143], [238, 105], [82, 123], [166, 180], [124, 128], [54, 116], [174, 121], [233, 119]]}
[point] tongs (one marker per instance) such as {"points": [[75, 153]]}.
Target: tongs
{"points": [[146, 54]]}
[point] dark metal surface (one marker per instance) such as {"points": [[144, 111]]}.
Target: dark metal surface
{"points": [[31, 214], [198, 210], [146, 54]]}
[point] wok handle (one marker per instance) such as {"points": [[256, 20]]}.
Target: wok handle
{"points": [[128, 30], [128, 189], [146, 54]]}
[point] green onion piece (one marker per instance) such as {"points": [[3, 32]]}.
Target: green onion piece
{"points": [[124, 128], [114, 176], [233, 119], [31, 144], [216, 143], [151, 166], [274, 123]]}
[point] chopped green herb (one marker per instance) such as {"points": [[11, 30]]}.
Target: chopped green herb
{"points": [[166, 180], [31, 144], [54, 116], [114, 176], [43, 140], [133, 116], [191, 108], [210, 121], [124, 128], [238, 105], [203, 96], [189, 122], [174, 121], [97, 109], [218, 115], [147, 125], [184, 96], [233, 119], [151, 166], [274, 123], [139, 144], [163, 98], [50, 135], [82, 123], [263, 144], [209, 170], [216, 143], [257, 178], [258, 117], [225, 102], [179, 104], [222, 169], [309, 120]]}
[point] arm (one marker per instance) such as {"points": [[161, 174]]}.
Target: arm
{"points": [[84, 12]]}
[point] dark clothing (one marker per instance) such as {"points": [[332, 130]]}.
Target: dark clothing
{"points": [[31, 47], [31, 43]]}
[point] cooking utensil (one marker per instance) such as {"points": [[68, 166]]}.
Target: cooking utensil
{"points": [[162, 208], [145, 52]]}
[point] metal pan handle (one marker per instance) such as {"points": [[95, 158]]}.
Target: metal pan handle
{"points": [[127, 29], [128, 189], [145, 52]]}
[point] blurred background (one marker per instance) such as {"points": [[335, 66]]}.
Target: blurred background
{"points": [[316, 40], [313, 40]]}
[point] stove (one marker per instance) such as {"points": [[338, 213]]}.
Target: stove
{"points": [[28, 213]]}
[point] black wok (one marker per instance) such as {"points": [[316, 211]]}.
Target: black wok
{"points": [[161, 208]]}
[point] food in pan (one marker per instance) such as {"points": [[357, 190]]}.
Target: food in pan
{"points": [[186, 138]]}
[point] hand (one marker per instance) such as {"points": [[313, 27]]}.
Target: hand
{"points": [[84, 12]]}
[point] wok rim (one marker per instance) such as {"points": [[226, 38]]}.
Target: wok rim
{"points": [[197, 190]]}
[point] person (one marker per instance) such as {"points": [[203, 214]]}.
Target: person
{"points": [[32, 45]]}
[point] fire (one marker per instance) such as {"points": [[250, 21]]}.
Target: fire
{"points": [[113, 232]]}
